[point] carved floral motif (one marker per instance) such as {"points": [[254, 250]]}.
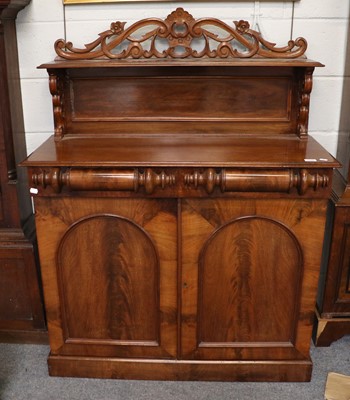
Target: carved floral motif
{"points": [[117, 27], [242, 26], [180, 36]]}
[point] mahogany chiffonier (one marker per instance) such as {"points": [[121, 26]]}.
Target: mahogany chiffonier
{"points": [[180, 204], [21, 305], [333, 312]]}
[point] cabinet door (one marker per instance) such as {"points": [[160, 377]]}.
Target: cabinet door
{"points": [[109, 271], [249, 277]]}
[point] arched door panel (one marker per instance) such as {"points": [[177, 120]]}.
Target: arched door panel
{"points": [[111, 267], [248, 269]]}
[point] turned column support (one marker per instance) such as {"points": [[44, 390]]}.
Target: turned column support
{"points": [[304, 105]]}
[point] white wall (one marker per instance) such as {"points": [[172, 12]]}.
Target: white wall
{"points": [[323, 23]]}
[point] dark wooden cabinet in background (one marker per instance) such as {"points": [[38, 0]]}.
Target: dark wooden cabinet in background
{"points": [[333, 301], [21, 306], [333, 314], [180, 205]]}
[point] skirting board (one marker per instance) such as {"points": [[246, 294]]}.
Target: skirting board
{"points": [[328, 330], [144, 369], [24, 337]]}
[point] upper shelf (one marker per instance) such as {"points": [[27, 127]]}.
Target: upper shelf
{"points": [[226, 79], [204, 62], [181, 37]]}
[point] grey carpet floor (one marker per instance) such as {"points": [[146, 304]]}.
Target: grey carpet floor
{"points": [[23, 375]]}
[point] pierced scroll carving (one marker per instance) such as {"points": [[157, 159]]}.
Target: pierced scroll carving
{"points": [[56, 90], [180, 36], [102, 179], [303, 120], [256, 181]]}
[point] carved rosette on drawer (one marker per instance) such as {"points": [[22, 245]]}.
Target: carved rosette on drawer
{"points": [[102, 179], [257, 180]]}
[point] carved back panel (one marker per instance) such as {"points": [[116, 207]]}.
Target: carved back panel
{"points": [[170, 100], [180, 35], [181, 75]]}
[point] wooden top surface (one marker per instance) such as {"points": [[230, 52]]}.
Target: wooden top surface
{"points": [[155, 62], [181, 151]]}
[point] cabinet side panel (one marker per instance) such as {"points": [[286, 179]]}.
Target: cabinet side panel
{"points": [[14, 299], [345, 279], [21, 308], [337, 283]]}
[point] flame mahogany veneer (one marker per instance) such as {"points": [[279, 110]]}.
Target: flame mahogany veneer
{"points": [[181, 205]]}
